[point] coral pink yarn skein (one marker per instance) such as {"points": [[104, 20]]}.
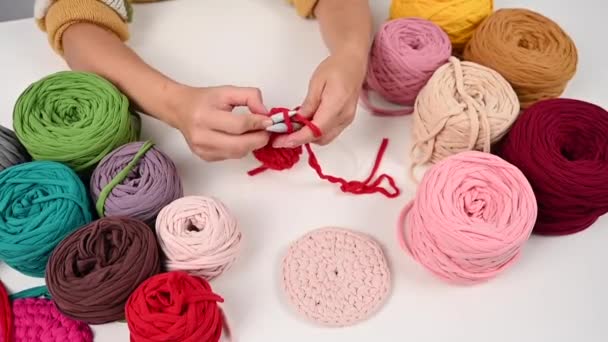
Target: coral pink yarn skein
{"points": [[404, 55]]}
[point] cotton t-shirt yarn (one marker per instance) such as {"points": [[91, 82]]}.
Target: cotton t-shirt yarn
{"points": [[41, 202], [529, 50], [175, 307], [561, 145], [199, 235], [458, 18], [464, 106], [335, 277], [75, 118], [11, 150], [404, 55], [471, 216], [135, 180], [94, 270]]}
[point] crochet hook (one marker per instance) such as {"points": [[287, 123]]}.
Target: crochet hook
{"points": [[282, 127], [279, 117]]}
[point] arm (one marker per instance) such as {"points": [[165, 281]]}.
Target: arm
{"points": [[90, 36], [88, 47], [346, 28]]}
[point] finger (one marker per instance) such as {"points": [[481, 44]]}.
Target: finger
{"points": [[234, 123], [326, 119], [329, 137], [313, 99], [237, 146], [247, 96], [209, 156]]}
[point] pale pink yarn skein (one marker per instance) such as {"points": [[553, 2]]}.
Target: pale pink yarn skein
{"points": [[471, 216], [198, 235], [404, 55]]}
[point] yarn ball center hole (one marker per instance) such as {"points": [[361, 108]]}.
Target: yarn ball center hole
{"points": [[193, 226], [584, 148], [477, 204], [164, 298]]}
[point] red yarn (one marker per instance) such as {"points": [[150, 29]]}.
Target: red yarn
{"points": [[284, 158], [174, 307], [6, 316]]}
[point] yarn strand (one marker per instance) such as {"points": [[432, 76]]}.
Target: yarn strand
{"points": [[357, 187], [283, 158], [34, 292], [105, 192]]}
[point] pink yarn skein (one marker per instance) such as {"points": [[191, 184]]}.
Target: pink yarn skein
{"points": [[199, 235], [405, 54], [471, 216]]}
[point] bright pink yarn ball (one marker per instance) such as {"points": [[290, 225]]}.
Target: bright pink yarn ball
{"points": [[37, 319]]}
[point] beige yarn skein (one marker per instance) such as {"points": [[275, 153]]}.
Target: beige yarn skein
{"points": [[464, 106]]}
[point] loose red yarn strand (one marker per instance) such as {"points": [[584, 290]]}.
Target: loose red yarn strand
{"points": [[6, 316], [357, 187], [354, 187]]}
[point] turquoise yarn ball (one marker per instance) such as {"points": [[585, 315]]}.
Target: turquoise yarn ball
{"points": [[41, 202]]}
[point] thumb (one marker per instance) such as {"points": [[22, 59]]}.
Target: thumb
{"points": [[248, 96], [313, 99]]}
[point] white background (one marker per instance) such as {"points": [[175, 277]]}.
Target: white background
{"points": [[557, 292]]}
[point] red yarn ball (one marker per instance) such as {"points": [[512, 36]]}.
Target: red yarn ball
{"points": [[278, 158], [174, 307]]}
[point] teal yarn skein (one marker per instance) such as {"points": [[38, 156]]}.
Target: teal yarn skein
{"points": [[41, 202]]}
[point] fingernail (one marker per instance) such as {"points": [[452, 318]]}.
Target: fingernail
{"points": [[267, 123]]}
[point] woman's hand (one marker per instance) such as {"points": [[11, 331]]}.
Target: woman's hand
{"points": [[332, 98], [212, 130]]}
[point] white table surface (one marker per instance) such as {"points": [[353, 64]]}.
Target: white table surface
{"points": [[557, 292]]}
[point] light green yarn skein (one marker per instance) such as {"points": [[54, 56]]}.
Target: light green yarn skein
{"points": [[75, 118], [41, 202]]}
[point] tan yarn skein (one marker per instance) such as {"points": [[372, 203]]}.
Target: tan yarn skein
{"points": [[531, 51], [464, 106]]}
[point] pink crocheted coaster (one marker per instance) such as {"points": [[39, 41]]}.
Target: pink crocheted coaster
{"points": [[38, 320], [336, 277]]}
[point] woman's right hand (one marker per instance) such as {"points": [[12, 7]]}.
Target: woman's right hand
{"points": [[212, 130]]}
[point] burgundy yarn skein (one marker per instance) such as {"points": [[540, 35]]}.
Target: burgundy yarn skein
{"points": [[561, 146]]}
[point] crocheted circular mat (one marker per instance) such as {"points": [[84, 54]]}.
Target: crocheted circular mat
{"points": [[38, 320], [336, 277]]}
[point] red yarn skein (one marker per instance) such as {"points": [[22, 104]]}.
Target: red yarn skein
{"points": [[6, 316], [284, 158], [175, 307]]}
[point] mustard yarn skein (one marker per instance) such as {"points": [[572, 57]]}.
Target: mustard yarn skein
{"points": [[458, 18]]}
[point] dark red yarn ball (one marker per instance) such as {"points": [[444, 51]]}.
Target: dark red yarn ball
{"points": [[561, 146]]}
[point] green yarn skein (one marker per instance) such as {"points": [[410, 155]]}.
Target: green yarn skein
{"points": [[75, 118], [41, 202]]}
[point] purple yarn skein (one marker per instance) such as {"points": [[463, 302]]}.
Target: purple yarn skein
{"points": [[152, 183]]}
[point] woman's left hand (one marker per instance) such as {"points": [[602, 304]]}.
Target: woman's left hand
{"points": [[331, 102]]}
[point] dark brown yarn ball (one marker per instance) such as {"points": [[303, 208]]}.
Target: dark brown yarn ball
{"points": [[92, 273]]}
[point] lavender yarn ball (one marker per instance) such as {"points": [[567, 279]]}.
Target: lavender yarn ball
{"points": [[135, 180]]}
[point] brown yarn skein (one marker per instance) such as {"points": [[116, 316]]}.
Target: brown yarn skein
{"points": [[92, 273], [528, 49]]}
